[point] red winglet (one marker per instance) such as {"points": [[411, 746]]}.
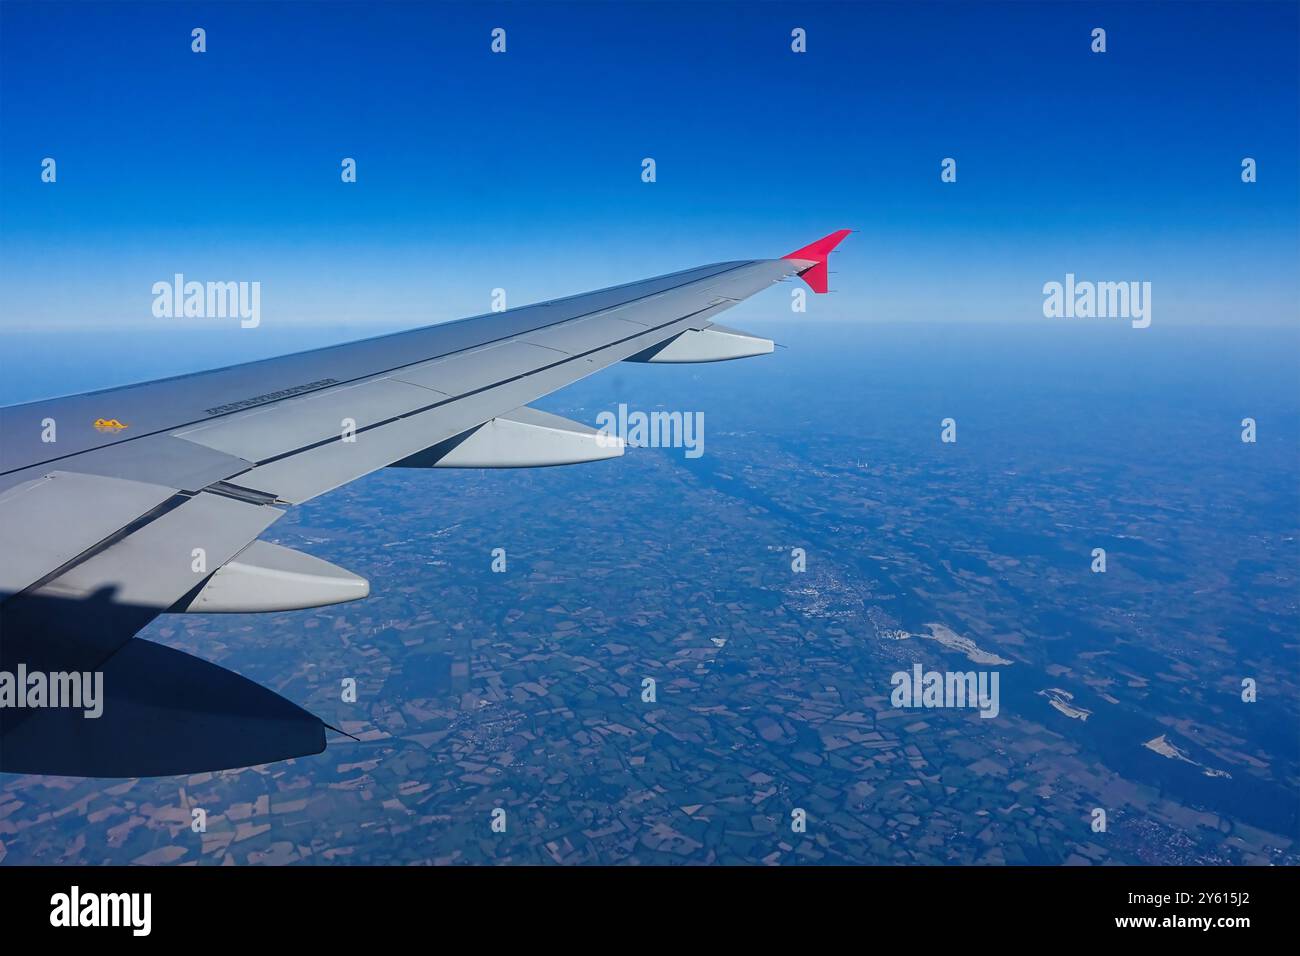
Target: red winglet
{"points": [[819, 253]]}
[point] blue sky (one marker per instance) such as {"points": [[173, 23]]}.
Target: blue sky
{"points": [[522, 170]]}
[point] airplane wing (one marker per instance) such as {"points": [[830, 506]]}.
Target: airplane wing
{"points": [[120, 505]]}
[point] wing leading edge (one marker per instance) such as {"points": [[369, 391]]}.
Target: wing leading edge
{"points": [[106, 528]]}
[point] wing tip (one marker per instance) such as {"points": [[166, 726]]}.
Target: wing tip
{"points": [[818, 253]]}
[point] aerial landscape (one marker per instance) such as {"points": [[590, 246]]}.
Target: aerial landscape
{"points": [[523, 690]]}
